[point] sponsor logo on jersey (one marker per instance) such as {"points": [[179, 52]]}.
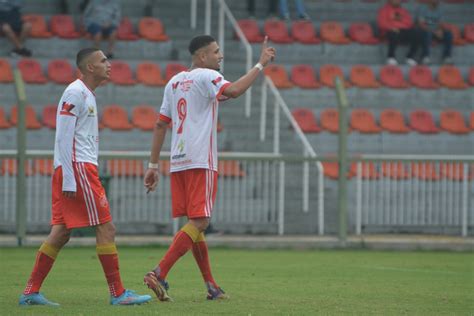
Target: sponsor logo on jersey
{"points": [[181, 145], [186, 85], [66, 109], [174, 86], [216, 81], [91, 111]]}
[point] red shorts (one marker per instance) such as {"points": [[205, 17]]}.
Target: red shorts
{"points": [[90, 206], [193, 192]]}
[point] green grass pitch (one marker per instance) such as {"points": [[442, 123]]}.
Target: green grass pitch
{"points": [[259, 282]]}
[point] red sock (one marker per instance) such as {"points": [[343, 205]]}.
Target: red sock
{"points": [[201, 255], [44, 262], [108, 257]]}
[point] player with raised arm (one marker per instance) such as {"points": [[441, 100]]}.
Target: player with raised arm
{"points": [[78, 198], [190, 102]]}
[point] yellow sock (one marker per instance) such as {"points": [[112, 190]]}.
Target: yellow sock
{"points": [[49, 250], [191, 231]]}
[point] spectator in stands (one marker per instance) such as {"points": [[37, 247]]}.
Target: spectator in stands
{"points": [[300, 10], [272, 8], [396, 24], [429, 21], [102, 18], [13, 27]]}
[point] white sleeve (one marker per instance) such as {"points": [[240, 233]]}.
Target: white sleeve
{"points": [[215, 84]]}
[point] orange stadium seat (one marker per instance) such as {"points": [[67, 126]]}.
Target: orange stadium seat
{"points": [[6, 73], [362, 33], [333, 32], [472, 120], [144, 117], [31, 71], [39, 28], [368, 170], [469, 32], [49, 116], [121, 74], [3, 120], [393, 121], [251, 30], [278, 75], [63, 26], [471, 76], [125, 31], [327, 74], [452, 121], [149, 74], [125, 168], [229, 168], [304, 77], [330, 120], [61, 71], [421, 77], [303, 32], [9, 166], [331, 170], [31, 119], [362, 76], [173, 69], [44, 167], [450, 77], [395, 170], [152, 29], [392, 77], [277, 31], [457, 36], [424, 171], [363, 121], [306, 120], [422, 122], [115, 117], [452, 171]]}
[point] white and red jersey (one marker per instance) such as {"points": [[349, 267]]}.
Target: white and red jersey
{"points": [[190, 102], [77, 131]]}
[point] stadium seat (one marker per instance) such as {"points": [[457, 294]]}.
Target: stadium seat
{"points": [[304, 77], [472, 120], [306, 120], [330, 120], [304, 33], [49, 116], [392, 77], [31, 119], [450, 77], [333, 32], [230, 168], [31, 71], [121, 74], [173, 69], [469, 32], [362, 33], [452, 121], [457, 36], [362, 76], [471, 76], [3, 120], [453, 171], [424, 171], [63, 26], [149, 74], [421, 77], [125, 31], [278, 75], [39, 28], [363, 121], [152, 29], [144, 117], [9, 167], [369, 172], [327, 74], [395, 170], [277, 31], [60, 71], [393, 121], [44, 167], [116, 118], [125, 168], [6, 73], [251, 30], [422, 122], [331, 170]]}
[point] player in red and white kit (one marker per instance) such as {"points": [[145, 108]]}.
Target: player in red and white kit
{"points": [[190, 102], [78, 198]]}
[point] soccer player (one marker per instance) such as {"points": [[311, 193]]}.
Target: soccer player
{"points": [[190, 102], [78, 198]]}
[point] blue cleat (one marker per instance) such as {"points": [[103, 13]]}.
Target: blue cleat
{"points": [[214, 293], [35, 299], [129, 298]]}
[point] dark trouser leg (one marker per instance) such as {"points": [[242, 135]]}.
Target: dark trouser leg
{"points": [[427, 38], [393, 39], [447, 43], [413, 38]]}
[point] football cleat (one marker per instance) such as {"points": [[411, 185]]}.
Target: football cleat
{"points": [[129, 298], [214, 293], [35, 299], [157, 285]]}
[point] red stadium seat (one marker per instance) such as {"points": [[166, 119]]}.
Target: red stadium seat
{"points": [[277, 31], [173, 69], [44, 167], [229, 168], [421, 77], [369, 171], [9, 166], [393, 121], [39, 28], [149, 74], [333, 32], [303, 32], [6, 73], [452, 121], [3, 120], [125, 31], [306, 120], [392, 77], [152, 29], [362, 33], [395, 170], [115, 117], [121, 74], [330, 120], [363, 77], [457, 36], [31, 71], [422, 122], [60, 71], [278, 75], [424, 171], [304, 77], [63, 26], [471, 76], [453, 171], [363, 121], [49, 116], [31, 119], [469, 32], [144, 117], [125, 168], [327, 74], [450, 77], [472, 120], [251, 30], [331, 170]]}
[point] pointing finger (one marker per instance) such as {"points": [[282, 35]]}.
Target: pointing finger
{"points": [[265, 42]]}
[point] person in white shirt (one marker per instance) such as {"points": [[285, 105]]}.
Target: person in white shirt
{"points": [[190, 103], [78, 198]]}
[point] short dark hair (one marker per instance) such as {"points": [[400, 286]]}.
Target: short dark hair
{"points": [[200, 42], [83, 54]]}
